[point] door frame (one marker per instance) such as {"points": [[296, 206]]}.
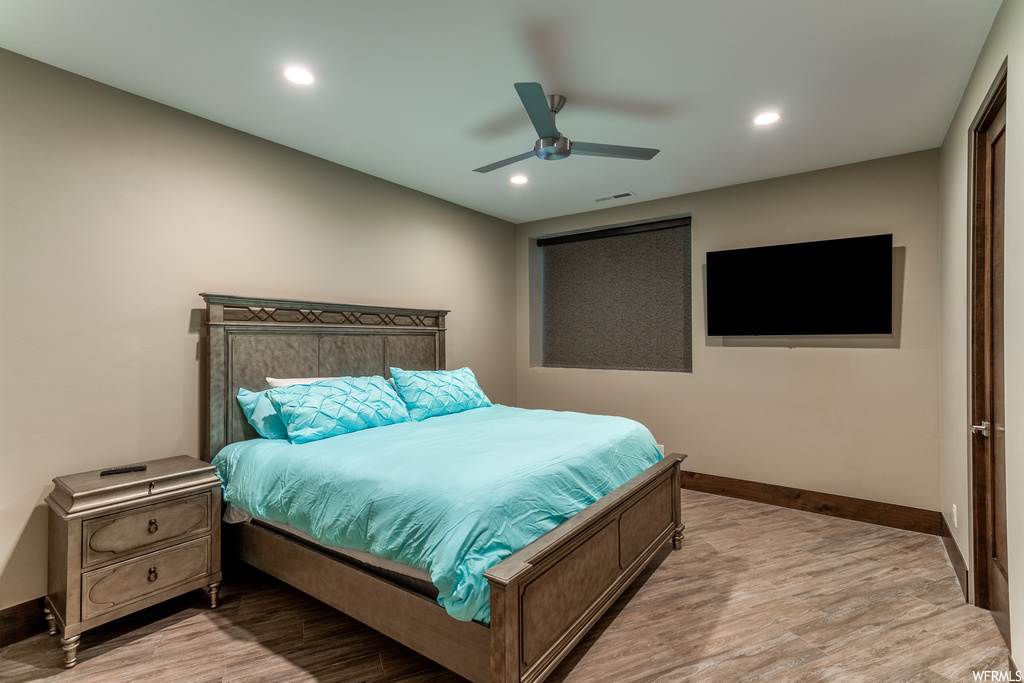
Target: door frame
{"points": [[978, 458]]}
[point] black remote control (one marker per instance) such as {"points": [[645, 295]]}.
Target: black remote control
{"points": [[121, 469]]}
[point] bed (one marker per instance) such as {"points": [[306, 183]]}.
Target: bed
{"points": [[542, 598]]}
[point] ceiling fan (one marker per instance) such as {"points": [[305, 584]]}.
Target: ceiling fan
{"points": [[552, 145]]}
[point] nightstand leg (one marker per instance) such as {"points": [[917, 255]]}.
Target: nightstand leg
{"points": [[70, 646], [677, 537], [214, 589], [50, 621]]}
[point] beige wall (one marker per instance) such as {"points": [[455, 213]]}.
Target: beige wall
{"points": [[115, 213], [858, 422], [1005, 42]]}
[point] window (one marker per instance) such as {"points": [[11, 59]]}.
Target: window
{"points": [[617, 298]]}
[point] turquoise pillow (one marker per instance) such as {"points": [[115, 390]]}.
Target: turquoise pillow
{"points": [[311, 412], [260, 413], [438, 392]]}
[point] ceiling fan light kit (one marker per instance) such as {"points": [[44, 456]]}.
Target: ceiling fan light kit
{"points": [[551, 145]]}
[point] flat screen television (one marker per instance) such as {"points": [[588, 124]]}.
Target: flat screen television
{"points": [[841, 286]]}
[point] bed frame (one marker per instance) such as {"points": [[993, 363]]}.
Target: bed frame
{"points": [[544, 598]]}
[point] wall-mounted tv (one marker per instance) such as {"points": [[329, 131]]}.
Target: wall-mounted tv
{"points": [[841, 286]]}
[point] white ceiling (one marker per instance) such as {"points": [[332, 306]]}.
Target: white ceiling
{"points": [[420, 92]]}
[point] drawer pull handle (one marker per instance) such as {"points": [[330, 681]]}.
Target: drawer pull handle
{"points": [[152, 574], [153, 526]]}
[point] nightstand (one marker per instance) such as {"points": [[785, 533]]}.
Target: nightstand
{"points": [[123, 542]]}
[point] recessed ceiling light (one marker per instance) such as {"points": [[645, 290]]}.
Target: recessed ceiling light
{"points": [[296, 74], [766, 118], [519, 179]]}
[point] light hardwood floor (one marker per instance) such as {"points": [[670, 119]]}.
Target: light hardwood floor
{"points": [[756, 593]]}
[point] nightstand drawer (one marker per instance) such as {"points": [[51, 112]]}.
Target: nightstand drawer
{"points": [[120, 584], [129, 532]]}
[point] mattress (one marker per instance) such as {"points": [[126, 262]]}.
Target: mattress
{"points": [[403, 575], [452, 495]]}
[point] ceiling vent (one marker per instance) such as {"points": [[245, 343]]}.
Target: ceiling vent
{"points": [[614, 197]]}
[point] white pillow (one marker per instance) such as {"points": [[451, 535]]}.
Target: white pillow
{"points": [[275, 383]]}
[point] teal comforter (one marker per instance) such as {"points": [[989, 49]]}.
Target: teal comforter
{"points": [[452, 495]]}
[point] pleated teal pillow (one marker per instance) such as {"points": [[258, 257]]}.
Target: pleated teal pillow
{"points": [[320, 410], [260, 413], [438, 392]]}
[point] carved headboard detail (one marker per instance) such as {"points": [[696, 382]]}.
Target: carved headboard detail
{"points": [[247, 339]]}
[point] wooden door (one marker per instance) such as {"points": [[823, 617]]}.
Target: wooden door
{"points": [[989, 430]]}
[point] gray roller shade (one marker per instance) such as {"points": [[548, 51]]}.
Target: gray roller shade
{"points": [[618, 298]]}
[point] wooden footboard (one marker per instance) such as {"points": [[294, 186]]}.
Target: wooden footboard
{"points": [[545, 597]]}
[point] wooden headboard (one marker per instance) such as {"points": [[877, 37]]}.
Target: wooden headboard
{"points": [[245, 340]]}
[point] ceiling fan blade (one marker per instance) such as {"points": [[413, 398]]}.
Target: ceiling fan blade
{"points": [[539, 110], [594, 149], [504, 162]]}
